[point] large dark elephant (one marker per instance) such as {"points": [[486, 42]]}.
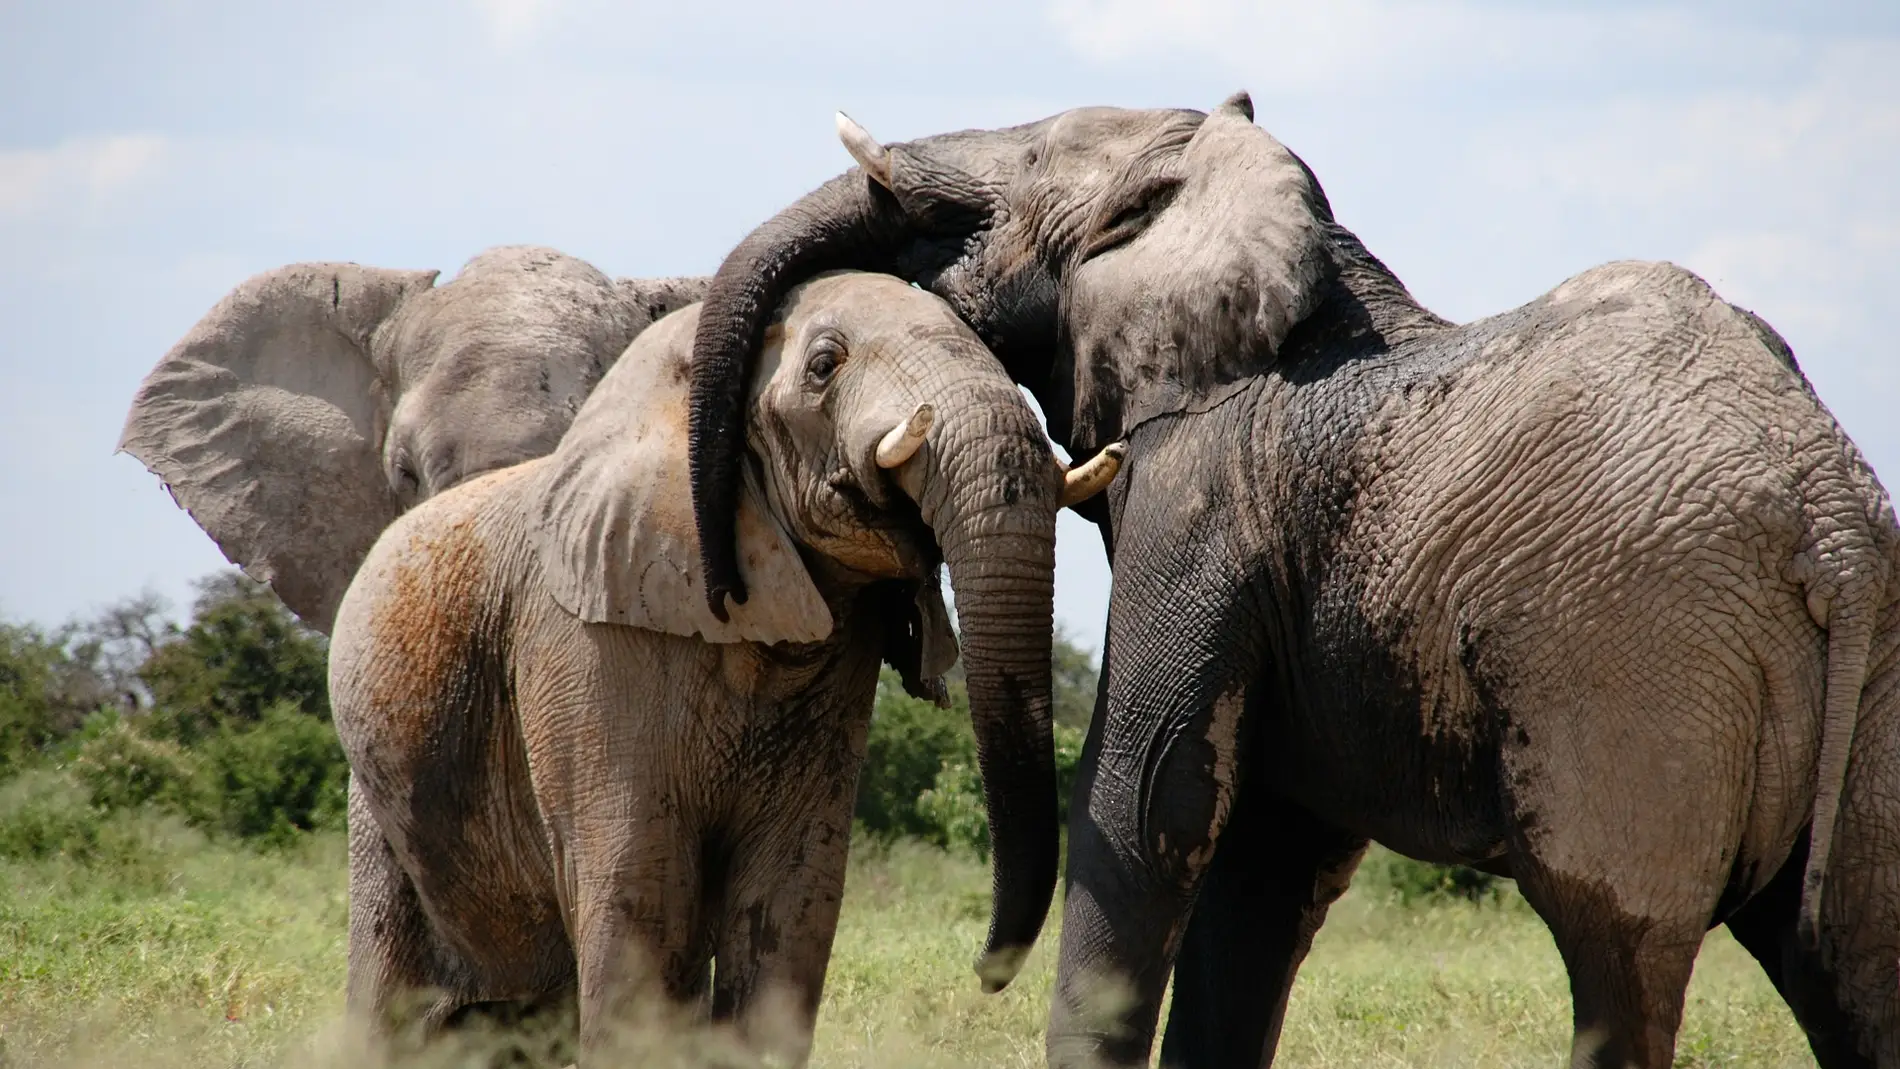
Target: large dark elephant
{"points": [[1594, 593]]}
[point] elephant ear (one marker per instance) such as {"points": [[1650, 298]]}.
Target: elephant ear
{"points": [[612, 517], [936, 637], [266, 424], [1234, 254]]}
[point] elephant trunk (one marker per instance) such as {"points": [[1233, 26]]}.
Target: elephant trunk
{"points": [[847, 222], [992, 500]]}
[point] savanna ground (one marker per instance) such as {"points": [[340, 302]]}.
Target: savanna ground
{"points": [[168, 948]]}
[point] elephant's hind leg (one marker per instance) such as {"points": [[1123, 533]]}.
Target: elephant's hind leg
{"points": [[1265, 896], [1628, 973], [396, 982], [1765, 926], [1846, 994]]}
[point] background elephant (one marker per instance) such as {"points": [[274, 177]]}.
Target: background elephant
{"points": [[562, 760], [1594, 593], [317, 401]]}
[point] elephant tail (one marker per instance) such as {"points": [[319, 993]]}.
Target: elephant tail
{"points": [[1850, 611]]}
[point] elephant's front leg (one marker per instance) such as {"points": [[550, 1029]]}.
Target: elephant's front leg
{"points": [[1158, 783], [641, 940], [780, 916], [1278, 870]]}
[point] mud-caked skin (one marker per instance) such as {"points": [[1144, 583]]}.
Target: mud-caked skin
{"points": [[1594, 593], [569, 776]]}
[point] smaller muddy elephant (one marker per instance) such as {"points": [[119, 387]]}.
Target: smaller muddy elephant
{"points": [[568, 769], [317, 401]]}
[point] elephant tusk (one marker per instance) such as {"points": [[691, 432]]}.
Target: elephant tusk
{"points": [[902, 441], [873, 157], [1093, 476]]}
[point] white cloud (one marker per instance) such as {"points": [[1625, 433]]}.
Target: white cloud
{"points": [[1785, 199], [1372, 45], [513, 22], [82, 171]]}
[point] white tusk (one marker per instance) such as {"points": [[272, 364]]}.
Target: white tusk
{"points": [[873, 157], [1091, 478], [904, 439]]}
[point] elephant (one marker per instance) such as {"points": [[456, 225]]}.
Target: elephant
{"points": [[569, 776], [1594, 593], [317, 401]]}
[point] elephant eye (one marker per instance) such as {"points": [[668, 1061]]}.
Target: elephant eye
{"points": [[406, 481], [823, 363], [1127, 216]]}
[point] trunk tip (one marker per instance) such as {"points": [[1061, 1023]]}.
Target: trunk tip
{"points": [[996, 968]]}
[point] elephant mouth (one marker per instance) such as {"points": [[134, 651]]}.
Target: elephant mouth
{"points": [[885, 538]]}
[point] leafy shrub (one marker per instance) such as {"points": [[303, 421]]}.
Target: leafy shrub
{"points": [[26, 714], [921, 777], [243, 654], [121, 768], [911, 741], [1426, 883], [43, 813], [283, 775], [952, 810]]}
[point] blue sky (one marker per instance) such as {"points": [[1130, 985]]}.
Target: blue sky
{"points": [[153, 155]]}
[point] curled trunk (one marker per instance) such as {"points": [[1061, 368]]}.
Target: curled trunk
{"points": [[847, 222]]}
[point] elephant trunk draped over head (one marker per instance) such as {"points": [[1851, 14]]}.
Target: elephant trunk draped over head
{"points": [[1594, 592]]}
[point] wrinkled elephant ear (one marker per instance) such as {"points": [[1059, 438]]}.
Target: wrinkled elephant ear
{"points": [[1233, 254], [612, 517], [266, 424]]}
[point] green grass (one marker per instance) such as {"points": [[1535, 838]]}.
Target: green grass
{"points": [[165, 949]]}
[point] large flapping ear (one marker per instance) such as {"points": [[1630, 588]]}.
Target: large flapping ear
{"points": [[1231, 257], [266, 422], [612, 519]]}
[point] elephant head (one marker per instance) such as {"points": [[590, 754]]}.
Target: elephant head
{"points": [[317, 401], [883, 438], [1122, 264]]}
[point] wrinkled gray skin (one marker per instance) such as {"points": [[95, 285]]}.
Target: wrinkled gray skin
{"points": [[537, 798], [1594, 593], [317, 401]]}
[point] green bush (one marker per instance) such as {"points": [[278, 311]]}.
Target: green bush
{"points": [[1426, 883], [952, 810], [911, 741], [283, 775], [25, 720], [243, 654], [43, 814], [122, 768]]}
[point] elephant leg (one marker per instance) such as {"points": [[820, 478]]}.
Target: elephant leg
{"points": [[395, 976], [1264, 898], [1627, 985], [780, 916], [1846, 993], [1151, 804], [641, 947], [1765, 926], [1629, 961]]}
